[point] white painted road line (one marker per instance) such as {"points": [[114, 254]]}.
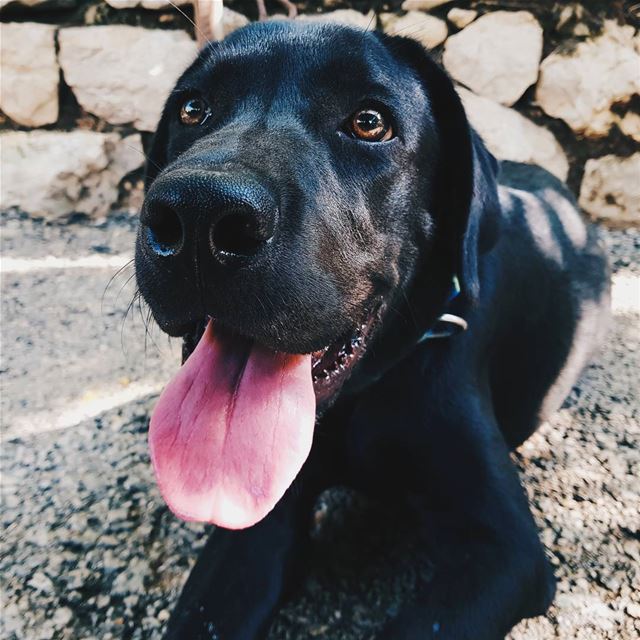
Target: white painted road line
{"points": [[27, 265], [95, 403]]}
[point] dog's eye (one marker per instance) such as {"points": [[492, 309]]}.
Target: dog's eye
{"points": [[194, 111], [370, 125]]}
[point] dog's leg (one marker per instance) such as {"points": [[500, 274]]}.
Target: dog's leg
{"points": [[241, 576], [490, 569]]}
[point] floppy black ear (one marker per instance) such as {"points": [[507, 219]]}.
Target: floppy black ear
{"points": [[476, 218], [465, 204]]}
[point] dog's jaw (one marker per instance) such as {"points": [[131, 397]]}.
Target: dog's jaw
{"points": [[332, 365]]}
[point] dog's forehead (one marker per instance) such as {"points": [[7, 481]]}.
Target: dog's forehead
{"points": [[306, 56]]}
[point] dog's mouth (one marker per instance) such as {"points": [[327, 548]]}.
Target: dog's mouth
{"points": [[231, 431], [330, 366]]}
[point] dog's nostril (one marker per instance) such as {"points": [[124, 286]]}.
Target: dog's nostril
{"points": [[164, 232], [238, 233]]}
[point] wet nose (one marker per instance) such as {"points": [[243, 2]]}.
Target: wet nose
{"points": [[235, 217]]}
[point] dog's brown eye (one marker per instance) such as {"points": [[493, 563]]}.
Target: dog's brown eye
{"points": [[194, 111], [370, 125]]}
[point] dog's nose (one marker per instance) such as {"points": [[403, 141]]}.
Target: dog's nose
{"points": [[234, 216]]}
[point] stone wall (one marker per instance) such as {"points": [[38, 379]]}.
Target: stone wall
{"points": [[83, 83]]}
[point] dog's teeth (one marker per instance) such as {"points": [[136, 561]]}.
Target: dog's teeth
{"points": [[317, 355], [344, 356]]}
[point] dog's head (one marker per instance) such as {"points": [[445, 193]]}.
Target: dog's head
{"points": [[311, 189]]}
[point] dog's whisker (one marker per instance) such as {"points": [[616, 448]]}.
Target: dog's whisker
{"points": [[150, 325], [144, 324], [142, 153], [140, 313], [199, 31], [122, 288], [373, 18], [124, 319], [410, 30], [147, 323], [112, 279]]}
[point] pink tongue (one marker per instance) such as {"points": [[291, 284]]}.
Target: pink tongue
{"points": [[231, 431]]}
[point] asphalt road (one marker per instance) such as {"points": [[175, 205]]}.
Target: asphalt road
{"points": [[90, 551]]}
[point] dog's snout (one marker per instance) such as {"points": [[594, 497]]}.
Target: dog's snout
{"points": [[234, 216]]}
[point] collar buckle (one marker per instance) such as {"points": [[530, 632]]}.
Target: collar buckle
{"points": [[448, 324]]}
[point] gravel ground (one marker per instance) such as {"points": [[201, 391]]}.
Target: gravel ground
{"points": [[67, 329], [90, 550]]}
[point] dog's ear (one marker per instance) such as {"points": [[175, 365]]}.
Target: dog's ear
{"points": [[157, 156], [465, 202]]}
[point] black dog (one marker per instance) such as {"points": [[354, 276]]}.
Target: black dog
{"points": [[314, 189]]}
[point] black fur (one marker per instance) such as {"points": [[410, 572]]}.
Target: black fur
{"points": [[358, 224]]}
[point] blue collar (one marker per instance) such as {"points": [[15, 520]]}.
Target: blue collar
{"points": [[447, 324]]}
